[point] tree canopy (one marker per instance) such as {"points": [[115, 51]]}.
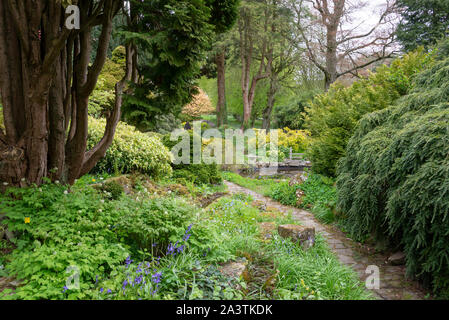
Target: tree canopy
{"points": [[423, 23]]}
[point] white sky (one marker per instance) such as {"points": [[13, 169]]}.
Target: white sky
{"points": [[370, 15]]}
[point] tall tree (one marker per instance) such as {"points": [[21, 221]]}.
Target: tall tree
{"points": [[224, 15], [284, 54], [172, 38], [423, 23], [47, 77], [254, 44], [343, 41]]}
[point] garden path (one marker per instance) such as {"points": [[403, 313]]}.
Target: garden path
{"points": [[393, 283]]}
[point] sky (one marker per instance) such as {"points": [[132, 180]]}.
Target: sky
{"points": [[370, 15]]}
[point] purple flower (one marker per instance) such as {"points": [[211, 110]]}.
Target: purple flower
{"points": [[170, 249], [101, 290], [128, 261], [64, 289], [157, 277], [109, 291]]}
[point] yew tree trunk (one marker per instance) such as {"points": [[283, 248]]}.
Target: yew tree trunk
{"points": [[46, 79]]}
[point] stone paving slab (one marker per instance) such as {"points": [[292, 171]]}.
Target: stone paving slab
{"points": [[393, 283]]}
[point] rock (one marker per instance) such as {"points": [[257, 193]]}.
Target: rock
{"points": [[178, 189], [266, 229], [397, 259], [233, 269], [300, 178], [304, 235], [206, 201], [299, 195], [121, 180], [9, 235], [262, 206]]}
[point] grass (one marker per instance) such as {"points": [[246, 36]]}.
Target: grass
{"points": [[319, 193], [298, 274], [261, 186]]}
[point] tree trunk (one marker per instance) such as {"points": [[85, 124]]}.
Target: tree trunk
{"points": [[222, 114], [247, 45], [331, 55], [266, 123], [45, 83]]}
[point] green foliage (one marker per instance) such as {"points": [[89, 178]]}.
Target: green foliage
{"points": [[172, 36], [314, 274], [423, 23], [199, 174], [104, 239], [291, 115], [196, 173], [151, 224], [77, 228], [262, 186], [284, 193], [65, 229], [165, 123], [332, 117], [113, 189], [103, 97], [320, 195], [394, 181], [130, 151], [224, 14]]}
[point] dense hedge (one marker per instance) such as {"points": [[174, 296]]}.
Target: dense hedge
{"points": [[130, 151], [394, 181], [332, 117]]}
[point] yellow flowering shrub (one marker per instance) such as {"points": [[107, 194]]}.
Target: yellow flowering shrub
{"points": [[130, 151], [298, 140]]}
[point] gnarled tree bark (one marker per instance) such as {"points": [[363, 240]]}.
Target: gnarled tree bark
{"points": [[45, 84]]}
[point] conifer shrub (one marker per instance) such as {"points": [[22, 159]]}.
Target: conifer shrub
{"points": [[393, 182], [332, 117]]}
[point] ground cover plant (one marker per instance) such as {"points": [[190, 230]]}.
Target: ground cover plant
{"points": [[151, 246]]}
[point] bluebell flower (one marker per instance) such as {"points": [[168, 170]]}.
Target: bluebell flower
{"points": [[157, 277], [109, 291], [128, 261], [64, 289], [101, 290]]}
